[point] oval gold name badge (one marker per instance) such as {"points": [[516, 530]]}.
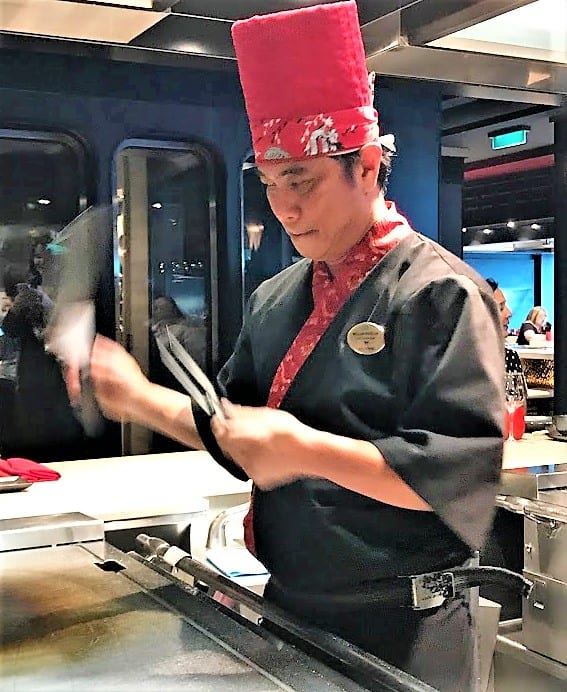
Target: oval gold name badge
{"points": [[366, 338]]}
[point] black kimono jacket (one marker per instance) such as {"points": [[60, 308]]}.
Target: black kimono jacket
{"points": [[431, 401]]}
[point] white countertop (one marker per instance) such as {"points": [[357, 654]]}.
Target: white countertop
{"points": [[534, 449], [540, 393], [155, 485], [130, 487]]}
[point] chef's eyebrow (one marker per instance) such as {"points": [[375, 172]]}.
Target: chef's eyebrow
{"points": [[294, 170]]}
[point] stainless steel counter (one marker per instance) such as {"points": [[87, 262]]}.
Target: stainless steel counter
{"points": [[535, 650], [534, 483], [517, 669]]}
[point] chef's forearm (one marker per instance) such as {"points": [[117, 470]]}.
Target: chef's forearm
{"points": [[359, 466], [168, 412]]}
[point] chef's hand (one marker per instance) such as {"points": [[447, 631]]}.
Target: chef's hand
{"points": [[117, 379], [262, 441]]}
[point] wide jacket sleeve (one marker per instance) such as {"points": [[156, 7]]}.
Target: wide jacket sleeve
{"points": [[448, 376]]}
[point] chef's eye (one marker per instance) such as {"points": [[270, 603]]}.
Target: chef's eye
{"points": [[301, 185]]}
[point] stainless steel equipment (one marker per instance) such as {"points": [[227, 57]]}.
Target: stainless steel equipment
{"points": [[54, 529], [538, 642], [91, 617], [533, 483], [545, 612]]}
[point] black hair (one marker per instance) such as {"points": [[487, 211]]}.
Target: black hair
{"points": [[349, 161], [492, 283], [165, 308], [13, 276]]}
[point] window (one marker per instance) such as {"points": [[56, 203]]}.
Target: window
{"points": [[42, 188]]}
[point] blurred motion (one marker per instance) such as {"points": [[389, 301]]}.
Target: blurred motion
{"points": [[75, 272]]}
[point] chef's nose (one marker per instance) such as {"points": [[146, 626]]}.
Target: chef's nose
{"points": [[285, 206]]}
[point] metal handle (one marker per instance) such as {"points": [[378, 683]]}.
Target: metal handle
{"points": [[217, 528], [552, 525], [511, 503], [377, 674]]}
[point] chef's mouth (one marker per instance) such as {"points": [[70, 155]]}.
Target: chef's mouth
{"points": [[302, 233]]}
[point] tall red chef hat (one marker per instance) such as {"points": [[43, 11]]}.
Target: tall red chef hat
{"points": [[305, 82]]}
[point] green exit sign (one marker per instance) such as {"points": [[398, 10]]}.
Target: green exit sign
{"points": [[508, 138]]}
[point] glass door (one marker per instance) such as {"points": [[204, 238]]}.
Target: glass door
{"points": [[166, 262]]}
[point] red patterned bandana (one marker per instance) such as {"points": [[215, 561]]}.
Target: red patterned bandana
{"points": [[330, 293]]}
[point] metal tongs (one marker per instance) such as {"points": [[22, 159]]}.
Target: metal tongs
{"points": [[189, 375]]}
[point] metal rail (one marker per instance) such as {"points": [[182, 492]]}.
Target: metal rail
{"points": [[362, 666]]}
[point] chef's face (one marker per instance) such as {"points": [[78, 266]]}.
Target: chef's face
{"points": [[505, 312], [323, 212]]}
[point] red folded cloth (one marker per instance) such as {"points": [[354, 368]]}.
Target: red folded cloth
{"points": [[27, 469]]}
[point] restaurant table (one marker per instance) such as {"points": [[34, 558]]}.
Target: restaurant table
{"points": [[535, 353]]}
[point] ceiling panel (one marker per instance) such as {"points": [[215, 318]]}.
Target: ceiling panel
{"points": [[198, 36], [196, 33], [79, 21], [232, 9], [537, 30], [229, 9]]}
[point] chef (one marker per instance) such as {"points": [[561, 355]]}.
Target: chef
{"points": [[365, 395]]}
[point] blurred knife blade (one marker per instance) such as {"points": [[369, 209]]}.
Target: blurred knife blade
{"points": [[71, 330]]}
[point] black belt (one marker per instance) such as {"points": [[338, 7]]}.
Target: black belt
{"points": [[420, 591]]}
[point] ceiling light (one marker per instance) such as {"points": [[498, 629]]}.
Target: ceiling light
{"points": [[535, 227], [464, 230], [185, 46], [511, 224], [487, 231], [43, 201], [156, 205], [254, 231]]}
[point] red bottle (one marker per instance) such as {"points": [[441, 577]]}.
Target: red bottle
{"points": [[518, 422], [507, 420]]}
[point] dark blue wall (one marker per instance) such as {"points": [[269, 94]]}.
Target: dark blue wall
{"points": [[411, 110]]}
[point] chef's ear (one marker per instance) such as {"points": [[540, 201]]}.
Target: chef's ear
{"points": [[370, 158]]}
